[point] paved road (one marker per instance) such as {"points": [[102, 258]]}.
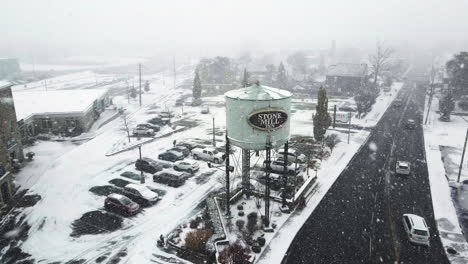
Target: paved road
{"points": [[359, 219]]}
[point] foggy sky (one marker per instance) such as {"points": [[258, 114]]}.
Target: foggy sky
{"points": [[207, 27]]}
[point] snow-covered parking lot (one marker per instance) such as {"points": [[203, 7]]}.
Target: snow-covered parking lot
{"points": [[66, 175]]}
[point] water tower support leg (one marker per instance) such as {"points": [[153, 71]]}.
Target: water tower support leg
{"points": [[246, 171], [267, 187]]}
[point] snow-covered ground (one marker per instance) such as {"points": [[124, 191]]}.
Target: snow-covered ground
{"points": [[444, 144], [63, 174]]}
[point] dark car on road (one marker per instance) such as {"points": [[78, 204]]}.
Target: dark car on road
{"points": [[410, 124], [171, 178], [158, 120], [148, 165], [171, 156], [121, 204], [140, 194]]}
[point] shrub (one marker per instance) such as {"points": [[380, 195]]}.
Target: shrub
{"points": [[195, 222], [235, 253], [196, 240], [252, 222], [240, 224]]}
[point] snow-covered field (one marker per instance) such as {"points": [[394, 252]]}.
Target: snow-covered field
{"points": [[444, 144], [63, 174]]}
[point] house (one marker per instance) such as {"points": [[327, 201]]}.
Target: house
{"points": [[345, 78], [8, 67], [66, 112], [11, 150]]}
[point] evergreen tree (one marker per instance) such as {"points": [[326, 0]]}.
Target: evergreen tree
{"points": [[322, 119], [282, 78], [147, 86], [245, 79], [197, 88], [446, 106], [133, 92]]}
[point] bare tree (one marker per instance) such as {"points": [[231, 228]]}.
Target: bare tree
{"points": [[380, 61], [125, 122]]}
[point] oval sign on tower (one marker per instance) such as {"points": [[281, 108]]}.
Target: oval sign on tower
{"points": [[268, 119]]}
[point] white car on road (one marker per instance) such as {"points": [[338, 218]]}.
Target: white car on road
{"points": [[416, 229], [403, 167]]}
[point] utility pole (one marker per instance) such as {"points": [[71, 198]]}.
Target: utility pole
{"points": [[334, 116], [463, 157], [214, 141], [228, 195], [139, 79], [175, 74], [142, 176], [349, 126], [432, 76]]}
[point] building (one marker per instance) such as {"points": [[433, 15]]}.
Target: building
{"points": [[11, 151], [64, 112], [8, 67], [346, 78]]}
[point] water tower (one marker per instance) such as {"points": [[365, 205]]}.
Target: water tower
{"points": [[257, 118]]}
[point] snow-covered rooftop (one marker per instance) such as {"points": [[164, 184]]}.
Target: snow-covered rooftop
{"points": [[347, 69], [4, 84], [258, 92], [54, 102]]}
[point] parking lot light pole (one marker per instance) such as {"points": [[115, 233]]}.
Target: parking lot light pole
{"points": [[142, 176], [463, 157], [214, 140]]}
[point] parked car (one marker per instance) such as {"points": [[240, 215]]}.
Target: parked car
{"points": [[293, 156], [143, 131], [403, 167], [166, 114], [205, 109], [131, 175], [179, 102], [416, 229], [208, 154], [158, 120], [140, 194], [185, 151], [155, 128], [278, 167], [187, 166], [171, 178], [148, 165], [410, 124], [398, 102], [121, 204], [171, 156]]}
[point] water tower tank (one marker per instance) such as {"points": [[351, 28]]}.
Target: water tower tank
{"points": [[258, 114]]}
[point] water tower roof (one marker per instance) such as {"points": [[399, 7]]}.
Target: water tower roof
{"points": [[257, 92]]}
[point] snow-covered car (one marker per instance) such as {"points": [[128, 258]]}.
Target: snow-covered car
{"points": [[410, 124], [205, 109], [143, 131], [140, 194], [278, 167], [398, 102], [121, 204], [293, 156], [171, 156], [166, 114], [208, 154], [171, 178], [189, 144], [131, 175], [403, 167], [181, 149], [416, 228], [158, 120], [155, 128], [148, 165], [187, 166]]}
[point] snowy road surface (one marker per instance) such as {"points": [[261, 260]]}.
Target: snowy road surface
{"points": [[359, 220]]}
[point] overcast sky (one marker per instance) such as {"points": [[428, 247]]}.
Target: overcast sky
{"points": [[206, 27]]}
